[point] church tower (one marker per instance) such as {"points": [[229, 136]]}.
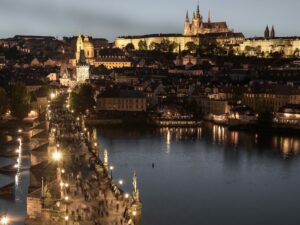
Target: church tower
{"points": [[79, 47], [187, 25], [272, 35], [197, 22], [267, 32], [82, 68]]}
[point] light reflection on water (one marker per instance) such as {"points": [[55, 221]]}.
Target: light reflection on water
{"points": [[208, 175], [15, 207]]}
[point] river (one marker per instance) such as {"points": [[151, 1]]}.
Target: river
{"points": [[209, 175]]}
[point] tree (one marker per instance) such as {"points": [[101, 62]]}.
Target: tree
{"points": [[3, 101], [82, 98], [191, 46], [20, 101], [129, 47], [153, 46], [143, 45]]}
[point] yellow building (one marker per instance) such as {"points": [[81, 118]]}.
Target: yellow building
{"points": [[271, 97], [264, 47], [220, 39], [85, 45]]}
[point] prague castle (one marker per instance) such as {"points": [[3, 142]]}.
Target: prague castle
{"points": [[198, 26], [196, 31]]}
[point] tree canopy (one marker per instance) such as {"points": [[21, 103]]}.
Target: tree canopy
{"points": [[82, 98], [143, 45], [20, 101], [3, 101]]}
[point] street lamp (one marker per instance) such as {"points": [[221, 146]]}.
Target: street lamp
{"points": [[56, 156], [111, 168], [4, 220], [121, 182], [52, 95], [126, 195]]}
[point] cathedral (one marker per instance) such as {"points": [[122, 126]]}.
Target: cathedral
{"points": [[198, 26]]}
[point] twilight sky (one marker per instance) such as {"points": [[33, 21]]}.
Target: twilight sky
{"points": [[111, 18]]}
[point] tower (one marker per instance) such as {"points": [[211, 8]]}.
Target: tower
{"points": [[82, 68], [187, 25], [272, 35], [197, 22], [267, 32], [79, 47]]}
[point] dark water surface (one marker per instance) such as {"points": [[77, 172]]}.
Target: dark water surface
{"points": [[209, 176]]}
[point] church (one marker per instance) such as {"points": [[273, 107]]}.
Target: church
{"points": [[195, 31], [198, 26]]}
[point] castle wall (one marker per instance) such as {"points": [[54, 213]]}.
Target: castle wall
{"points": [[287, 46], [181, 40]]}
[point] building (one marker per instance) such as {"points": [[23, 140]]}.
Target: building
{"points": [[266, 47], [111, 62], [198, 26], [122, 100], [269, 44], [198, 31], [82, 69], [271, 97], [85, 45]]}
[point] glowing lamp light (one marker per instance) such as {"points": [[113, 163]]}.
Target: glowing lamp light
{"points": [[66, 218], [134, 213], [67, 198], [126, 195], [121, 182], [111, 168], [4, 220], [57, 156], [20, 130], [52, 95]]}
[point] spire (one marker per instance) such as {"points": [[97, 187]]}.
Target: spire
{"points": [[198, 11], [267, 32], [82, 57], [187, 19], [272, 35], [209, 19]]}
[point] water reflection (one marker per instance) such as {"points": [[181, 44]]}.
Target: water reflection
{"points": [[287, 146]]}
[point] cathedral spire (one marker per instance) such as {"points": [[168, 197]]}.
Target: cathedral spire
{"points": [[209, 17], [272, 35], [187, 19], [267, 32], [198, 11]]}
